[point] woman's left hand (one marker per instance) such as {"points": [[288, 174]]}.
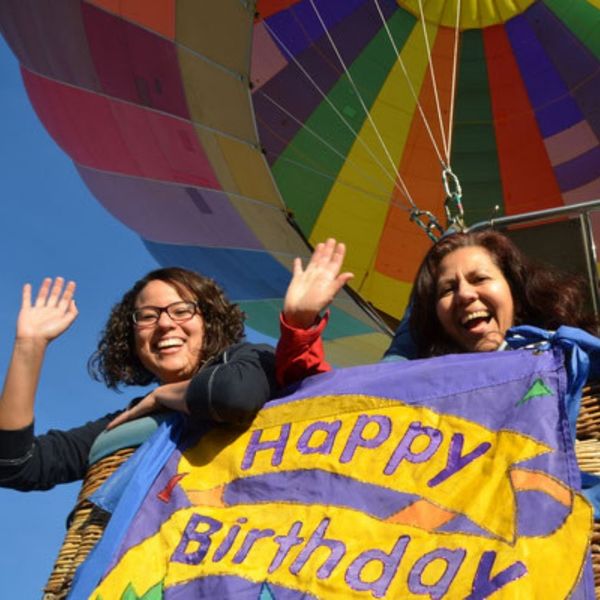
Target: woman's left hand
{"points": [[170, 396], [312, 289]]}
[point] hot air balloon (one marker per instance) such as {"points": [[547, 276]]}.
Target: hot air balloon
{"points": [[228, 133]]}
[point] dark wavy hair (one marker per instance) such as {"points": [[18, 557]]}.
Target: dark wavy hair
{"points": [[115, 361], [543, 296]]}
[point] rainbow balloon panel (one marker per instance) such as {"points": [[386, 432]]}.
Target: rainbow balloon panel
{"points": [[525, 127], [225, 132]]}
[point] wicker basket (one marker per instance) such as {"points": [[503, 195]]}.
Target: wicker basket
{"points": [[587, 449], [86, 525]]}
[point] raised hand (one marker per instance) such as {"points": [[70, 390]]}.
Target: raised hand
{"points": [[38, 324], [50, 315], [312, 289]]}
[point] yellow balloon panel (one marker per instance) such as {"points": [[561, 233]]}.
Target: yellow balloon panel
{"points": [[217, 98], [392, 294], [220, 31], [342, 351], [240, 167], [347, 203], [474, 14], [271, 228]]}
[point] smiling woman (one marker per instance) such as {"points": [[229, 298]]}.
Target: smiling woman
{"points": [[174, 328], [469, 290], [475, 305], [472, 287], [168, 341]]}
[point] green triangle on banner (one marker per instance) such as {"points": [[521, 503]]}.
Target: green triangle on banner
{"points": [[266, 593], [537, 389], [154, 593]]}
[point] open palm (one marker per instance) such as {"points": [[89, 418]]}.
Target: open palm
{"points": [[312, 289], [51, 314]]}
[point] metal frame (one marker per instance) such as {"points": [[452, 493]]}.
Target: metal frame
{"points": [[583, 210]]}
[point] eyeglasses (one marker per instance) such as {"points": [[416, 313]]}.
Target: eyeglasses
{"points": [[178, 312]]}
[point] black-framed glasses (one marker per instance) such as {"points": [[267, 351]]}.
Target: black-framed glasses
{"points": [[178, 312]]}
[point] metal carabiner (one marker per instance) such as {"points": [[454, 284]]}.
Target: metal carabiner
{"points": [[453, 206], [430, 226], [450, 179]]}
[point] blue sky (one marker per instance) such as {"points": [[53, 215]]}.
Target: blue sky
{"points": [[51, 225]]}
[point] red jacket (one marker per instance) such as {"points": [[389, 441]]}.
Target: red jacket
{"points": [[299, 352]]}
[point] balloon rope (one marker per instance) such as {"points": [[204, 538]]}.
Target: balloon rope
{"points": [[334, 108], [434, 84], [454, 71], [312, 132], [364, 106], [410, 85]]}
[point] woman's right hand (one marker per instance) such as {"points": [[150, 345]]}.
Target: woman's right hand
{"points": [[37, 325], [312, 289], [50, 315]]}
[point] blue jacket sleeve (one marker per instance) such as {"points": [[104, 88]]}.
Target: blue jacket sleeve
{"points": [[29, 462]]}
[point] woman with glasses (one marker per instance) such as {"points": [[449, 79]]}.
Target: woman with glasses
{"points": [[174, 328]]}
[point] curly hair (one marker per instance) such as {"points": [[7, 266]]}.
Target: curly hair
{"points": [[115, 362], [543, 296]]}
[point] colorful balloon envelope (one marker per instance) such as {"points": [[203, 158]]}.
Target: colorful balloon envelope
{"points": [[226, 133]]}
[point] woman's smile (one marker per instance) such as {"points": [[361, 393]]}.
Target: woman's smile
{"points": [[170, 350], [475, 305]]}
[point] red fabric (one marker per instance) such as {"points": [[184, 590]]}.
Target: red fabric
{"points": [[299, 352]]}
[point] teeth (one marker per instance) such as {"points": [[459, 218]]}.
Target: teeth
{"points": [[480, 314], [169, 343]]}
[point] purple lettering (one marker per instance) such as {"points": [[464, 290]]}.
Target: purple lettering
{"points": [[356, 439], [456, 461], [389, 563], [252, 536], [202, 538], [437, 590], [286, 543], [256, 445], [403, 450], [483, 586], [331, 430], [337, 550], [230, 538]]}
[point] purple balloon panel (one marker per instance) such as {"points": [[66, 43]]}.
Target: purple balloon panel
{"points": [[590, 191], [568, 144], [294, 91], [170, 213], [554, 108], [111, 135], [49, 38], [579, 171], [267, 59], [134, 64], [298, 27], [577, 66]]}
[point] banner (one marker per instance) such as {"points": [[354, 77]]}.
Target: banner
{"points": [[452, 477]]}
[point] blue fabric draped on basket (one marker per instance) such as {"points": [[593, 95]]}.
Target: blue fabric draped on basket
{"points": [[452, 477]]}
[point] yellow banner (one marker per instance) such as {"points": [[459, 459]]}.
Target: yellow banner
{"points": [[455, 464], [338, 553]]}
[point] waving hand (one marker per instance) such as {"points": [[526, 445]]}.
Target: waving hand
{"points": [[50, 315], [38, 324], [313, 289]]}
